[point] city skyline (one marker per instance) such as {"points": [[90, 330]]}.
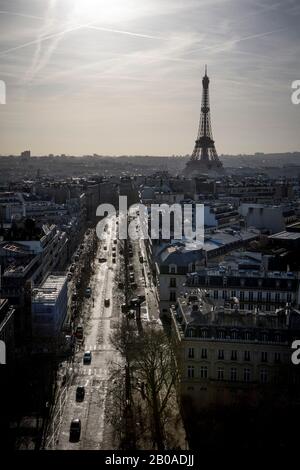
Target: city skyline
{"points": [[115, 77]]}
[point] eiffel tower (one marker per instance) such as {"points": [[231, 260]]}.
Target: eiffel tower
{"points": [[204, 158]]}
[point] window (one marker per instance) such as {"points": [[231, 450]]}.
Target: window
{"points": [[277, 357], [203, 372], [224, 294], [220, 374], [204, 353], [233, 293], [216, 294], [233, 374], [277, 338], [264, 337], [190, 372], [172, 296], [263, 376], [242, 296], [234, 334], [247, 375], [250, 296], [264, 356], [259, 296], [173, 282], [221, 354], [268, 297], [277, 297], [173, 269], [191, 353], [204, 333], [233, 355], [190, 332], [247, 355], [289, 297], [221, 334]]}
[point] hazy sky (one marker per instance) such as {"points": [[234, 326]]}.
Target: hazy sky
{"points": [[124, 76]]}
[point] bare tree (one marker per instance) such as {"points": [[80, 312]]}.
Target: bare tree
{"points": [[157, 373]]}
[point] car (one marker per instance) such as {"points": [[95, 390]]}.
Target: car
{"points": [[107, 302], [75, 430], [102, 260], [79, 332], [87, 357], [87, 292], [80, 392]]}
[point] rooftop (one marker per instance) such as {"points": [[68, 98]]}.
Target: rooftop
{"points": [[49, 290]]}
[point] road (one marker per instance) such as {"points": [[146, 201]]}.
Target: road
{"points": [[98, 325]]}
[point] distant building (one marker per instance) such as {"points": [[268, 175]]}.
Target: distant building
{"points": [[26, 154], [175, 260], [220, 215], [49, 306], [267, 217]]}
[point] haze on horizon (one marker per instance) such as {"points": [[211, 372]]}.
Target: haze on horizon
{"points": [[124, 76]]}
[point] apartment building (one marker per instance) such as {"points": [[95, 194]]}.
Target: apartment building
{"points": [[226, 355], [262, 290], [49, 306]]}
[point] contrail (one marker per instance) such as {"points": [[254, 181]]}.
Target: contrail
{"points": [[129, 33], [22, 15], [36, 41], [77, 26]]}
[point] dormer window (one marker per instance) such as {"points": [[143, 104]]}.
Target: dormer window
{"points": [[173, 269]]}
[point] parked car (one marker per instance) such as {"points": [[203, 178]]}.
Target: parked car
{"points": [[80, 392], [107, 302], [75, 430], [88, 291], [102, 260], [79, 332], [87, 357]]}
